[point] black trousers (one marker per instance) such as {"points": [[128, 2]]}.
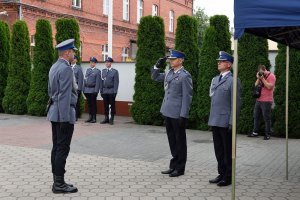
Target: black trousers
{"points": [[262, 109], [92, 103], [61, 138], [78, 113], [109, 99], [177, 143], [223, 148]]}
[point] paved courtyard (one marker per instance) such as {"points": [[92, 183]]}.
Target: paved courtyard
{"points": [[123, 162]]}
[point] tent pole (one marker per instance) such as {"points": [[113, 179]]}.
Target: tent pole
{"points": [[235, 72], [287, 111]]}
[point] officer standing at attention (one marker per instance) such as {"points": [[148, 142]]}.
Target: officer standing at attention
{"points": [[109, 90], [61, 113], [220, 118], [79, 81], [175, 108], [92, 83]]}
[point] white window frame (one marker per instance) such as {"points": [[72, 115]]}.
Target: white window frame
{"points": [[171, 21], [139, 13], [74, 3], [125, 53], [104, 51], [154, 10], [126, 4], [105, 7]]}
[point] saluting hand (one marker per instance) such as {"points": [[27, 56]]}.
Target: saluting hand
{"points": [[160, 62]]}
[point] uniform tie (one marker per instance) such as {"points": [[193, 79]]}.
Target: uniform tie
{"points": [[220, 78]]}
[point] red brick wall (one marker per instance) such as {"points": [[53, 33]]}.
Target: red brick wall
{"points": [[93, 24]]}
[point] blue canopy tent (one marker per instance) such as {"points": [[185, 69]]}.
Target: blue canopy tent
{"points": [[276, 20]]}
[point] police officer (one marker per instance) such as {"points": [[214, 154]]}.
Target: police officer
{"points": [[92, 83], [109, 89], [220, 118], [79, 81], [175, 108], [61, 113]]}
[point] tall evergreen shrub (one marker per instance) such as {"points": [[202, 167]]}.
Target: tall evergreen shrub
{"points": [[67, 29], [42, 60], [216, 39], [186, 40], [208, 54], [280, 93], [148, 94], [18, 81], [4, 58], [252, 51]]}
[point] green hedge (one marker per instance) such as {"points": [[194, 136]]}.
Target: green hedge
{"points": [[42, 60], [4, 58], [67, 29], [148, 94], [207, 70], [186, 40], [216, 38], [18, 81], [252, 51], [280, 93]]}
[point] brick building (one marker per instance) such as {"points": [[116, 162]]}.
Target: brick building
{"points": [[92, 16]]}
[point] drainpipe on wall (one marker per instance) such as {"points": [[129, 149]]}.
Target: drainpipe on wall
{"points": [[20, 10], [192, 7], [110, 27]]}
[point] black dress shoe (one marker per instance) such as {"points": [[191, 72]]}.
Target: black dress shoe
{"points": [[223, 183], [216, 180], [267, 137], [63, 188], [169, 171], [253, 135], [176, 173]]}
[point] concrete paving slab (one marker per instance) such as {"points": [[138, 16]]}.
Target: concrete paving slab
{"points": [[124, 161]]}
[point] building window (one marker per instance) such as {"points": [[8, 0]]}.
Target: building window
{"points": [[125, 51], [105, 7], [76, 3], [140, 5], [104, 51], [154, 10], [133, 49], [171, 21], [126, 10]]}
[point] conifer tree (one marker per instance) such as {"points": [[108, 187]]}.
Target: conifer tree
{"points": [[280, 93], [216, 39], [186, 40], [252, 51], [148, 94], [42, 60], [4, 58], [18, 80]]}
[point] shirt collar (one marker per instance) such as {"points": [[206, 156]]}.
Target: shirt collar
{"points": [[175, 71], [224, 74]]}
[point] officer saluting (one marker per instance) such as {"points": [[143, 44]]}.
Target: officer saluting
{"points": [[175, 108], [92, 83], [109, 89], [79, 81], [61, 113]]}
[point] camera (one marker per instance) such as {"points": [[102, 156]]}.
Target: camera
{"points": [[260, 73]]}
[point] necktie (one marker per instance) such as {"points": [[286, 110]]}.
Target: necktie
{"points": [[220, 78]]}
